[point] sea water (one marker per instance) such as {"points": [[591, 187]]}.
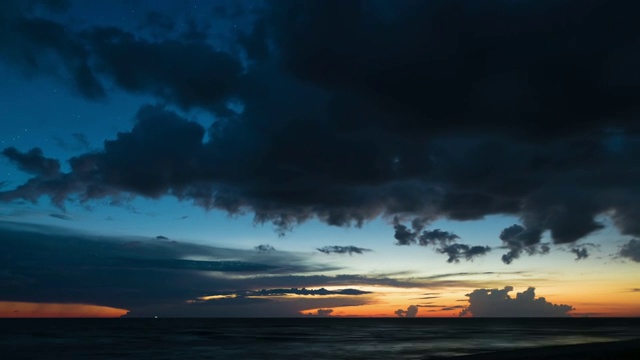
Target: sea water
{"points": [[295, 338]]}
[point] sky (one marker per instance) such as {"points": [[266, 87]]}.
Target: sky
{"points": [[319, 158]]}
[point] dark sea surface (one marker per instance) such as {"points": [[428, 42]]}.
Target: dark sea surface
{"points": [[299, 338]]}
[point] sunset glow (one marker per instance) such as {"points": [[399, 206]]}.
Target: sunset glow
{"points": [[48, 310]]}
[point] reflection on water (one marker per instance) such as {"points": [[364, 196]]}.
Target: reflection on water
{"points": [[313, 338]]}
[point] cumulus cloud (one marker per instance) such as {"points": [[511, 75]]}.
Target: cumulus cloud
{"points": [[505, 122], [498, 303], [631, 250], [519, 240], [343, 250], [411, 311]]}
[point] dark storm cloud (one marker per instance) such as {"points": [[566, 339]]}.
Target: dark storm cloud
{"points": [[343, 250], [631, 250], [354, 110], [42, 46], [186, 74], [33, 162], [156, 21], [51, 5], [458, 251], [498, 303], [411, 311]]}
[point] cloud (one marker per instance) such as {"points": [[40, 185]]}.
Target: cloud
{"points": [[160, 237], [498, 303], [292, 291], [38, 45], [128, 272], [189, 74], [264, 248], [504, 122], [581, 253], [417, 235], [145, 275], [60, 216], [324, 312], [442, 241], [411, 311], [33, 162], [457, 251], [342, 250], [518, 239], [631, 250]]}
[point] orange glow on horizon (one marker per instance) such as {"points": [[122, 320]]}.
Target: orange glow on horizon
{"points": [[52, 310]]}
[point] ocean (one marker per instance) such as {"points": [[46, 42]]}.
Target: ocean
{"points": [[295, 338]]}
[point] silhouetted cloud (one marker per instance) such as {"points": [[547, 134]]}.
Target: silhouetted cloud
{"points": [[631, 250], [324, 312], [160, 237], [441, 241], [457, 251], [33, 162], [292, 291], [511, 120], [342, 250], [498, 303], [518, 239], [581, 253], [417, 234], [264, 248], [411, 311]]}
